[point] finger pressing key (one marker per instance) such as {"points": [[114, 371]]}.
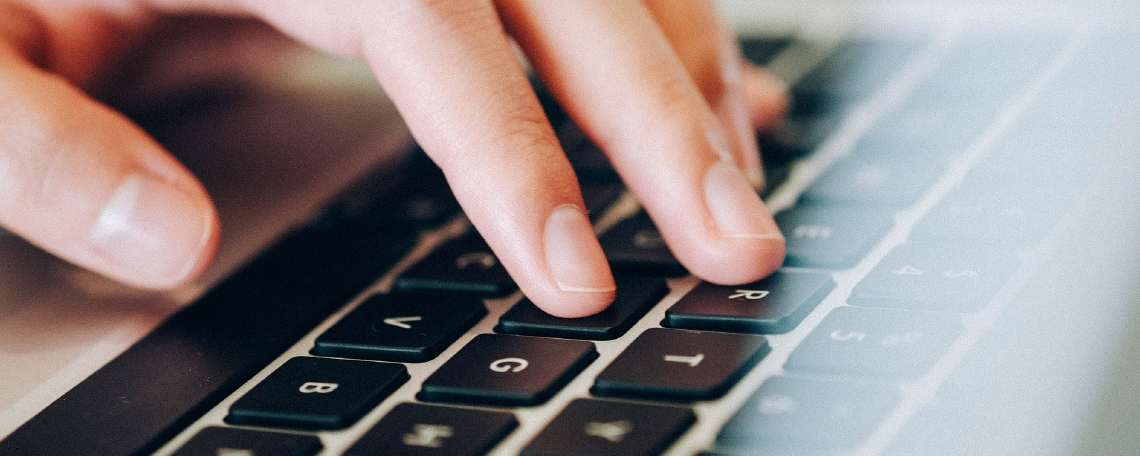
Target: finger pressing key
{"points": [[613, 68]]}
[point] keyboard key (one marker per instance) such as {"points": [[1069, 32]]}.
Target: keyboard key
{"points": [[317, 393], [997, 222], [798, 135], [462, 265], [600, 196], [605, 428], [935, 279], [858, 68], [432, 430], [813, 416], [875, 343], [761, 50], [405, 328], [831, 237], [508, 370], [635, 246], [875, 180], [675, 364], [771, 306], [413, 196], [635, 296], [220, 441]]}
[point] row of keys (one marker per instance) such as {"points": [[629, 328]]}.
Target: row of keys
{"points": [[502, 370], [585, 426], [417, 328]]}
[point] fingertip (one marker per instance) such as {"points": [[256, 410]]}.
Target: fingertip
{"points": [[737, 261], [767, 97], [573, 304]]}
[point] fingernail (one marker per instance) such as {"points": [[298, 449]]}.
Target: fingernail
{"points": [[154, 229], [735, 206], [573, 253]]}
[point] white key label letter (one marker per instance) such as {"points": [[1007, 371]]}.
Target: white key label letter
{"points": [[509, 365], [750, 295], [317, 387]]}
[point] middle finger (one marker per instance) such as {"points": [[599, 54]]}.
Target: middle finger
{"points": [[611, 66]]}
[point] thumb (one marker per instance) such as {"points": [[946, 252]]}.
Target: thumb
{"points": [[81, 181]]}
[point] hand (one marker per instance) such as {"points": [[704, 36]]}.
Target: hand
{"points": [[659, 84]]}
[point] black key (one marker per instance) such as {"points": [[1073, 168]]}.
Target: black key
{"points": [[599, 196], [774, 176], [462, 265], [635, 246], [432, 430], [858, 68], [406, 328], [218, 441], [761, 50], [875, 180], [675, 364], [508, 370], [876, 343], [134, 404], [797, 136], [635, 296], [771, 306], [317, 393], [589, 161], [605, 428], [934, 279], [419, 198], [831, 237], [809, 415]]}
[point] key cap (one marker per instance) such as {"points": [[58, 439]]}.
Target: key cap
{"points": [[771, 306], [858, 68], [936, 279], [761, 50], [406, 328], [600, 196], [875, 180], [680, 365], [997, 222], [831, 237], [875, 342], [508, 370], [635, 246], [218, 441], [606, 428], [432, 430], [813, 416], [635, 296], [462, 265], [412, 196], [798, 135], [317, 393]]}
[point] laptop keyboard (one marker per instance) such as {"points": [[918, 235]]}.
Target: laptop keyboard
{"points": [[449, 328]]}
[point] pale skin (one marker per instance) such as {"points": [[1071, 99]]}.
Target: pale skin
{"points": [[659, 84]]}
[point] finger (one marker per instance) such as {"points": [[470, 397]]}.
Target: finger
{"points": [[450, 69], [84, 183], [633, 96], [713, 61], [766, 96]]}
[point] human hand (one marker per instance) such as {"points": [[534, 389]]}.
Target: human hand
{"points": [[658, 84]]}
